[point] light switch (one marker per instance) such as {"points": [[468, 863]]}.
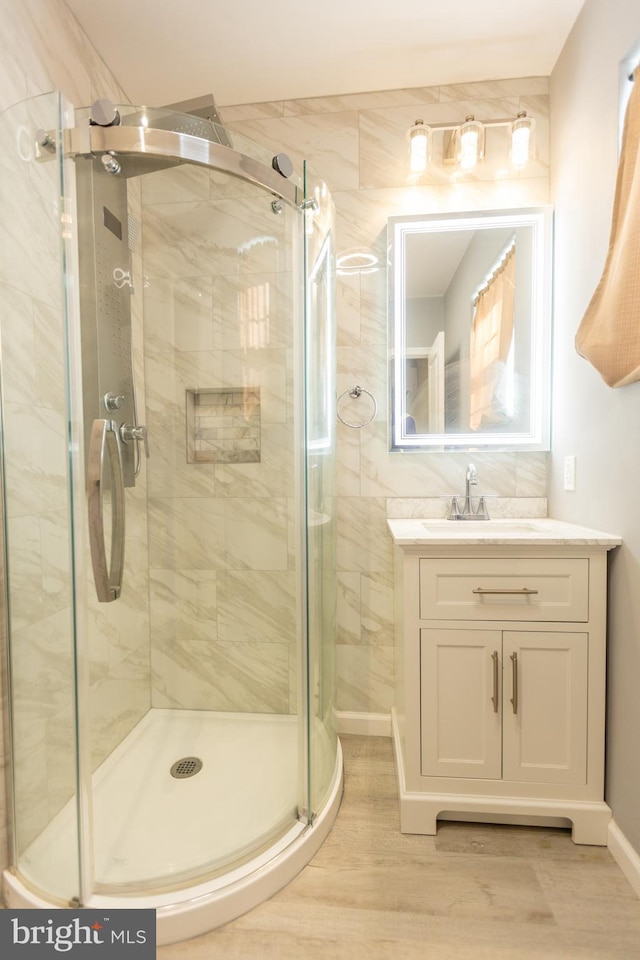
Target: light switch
{"points": [[570, 473]]}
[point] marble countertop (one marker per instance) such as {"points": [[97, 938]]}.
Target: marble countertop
{"points": [[531, 532]]}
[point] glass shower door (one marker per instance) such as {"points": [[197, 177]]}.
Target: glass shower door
{"points": [[39, 567], [320, 360], [195, 696]]}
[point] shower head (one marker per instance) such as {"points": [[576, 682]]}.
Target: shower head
{"points": [[200, 118]]}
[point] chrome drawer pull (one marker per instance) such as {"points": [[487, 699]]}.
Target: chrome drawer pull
{"points": [[494, 698], [523, 592]]}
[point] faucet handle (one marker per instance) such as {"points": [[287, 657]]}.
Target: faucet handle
{"points": [[482, 513], [454, 509], [131, 431]]}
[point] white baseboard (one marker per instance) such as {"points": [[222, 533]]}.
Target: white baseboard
{"points": [[624, 855], [364, 724]]}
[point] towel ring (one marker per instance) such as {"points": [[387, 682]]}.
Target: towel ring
{"points": [[354, 393]]}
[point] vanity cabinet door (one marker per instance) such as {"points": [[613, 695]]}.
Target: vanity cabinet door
{"points": [[510, 706], [461, 703], [545, 720]]}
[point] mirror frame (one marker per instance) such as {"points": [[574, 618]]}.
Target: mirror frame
{"points": [[399, 229]]}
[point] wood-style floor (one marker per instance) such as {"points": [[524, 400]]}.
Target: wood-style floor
{"points": [[473, 892]]}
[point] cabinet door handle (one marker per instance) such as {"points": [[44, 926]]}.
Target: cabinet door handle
{"points": [[514, 673], [523, 591], [494, 698]]}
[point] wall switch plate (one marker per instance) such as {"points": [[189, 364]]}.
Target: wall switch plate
{"points": [[570, 473]]}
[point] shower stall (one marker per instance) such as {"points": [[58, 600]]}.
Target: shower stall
{"points": [[168, 457]]}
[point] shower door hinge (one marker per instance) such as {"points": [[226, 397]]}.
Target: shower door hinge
{"points": [[305, 817]]}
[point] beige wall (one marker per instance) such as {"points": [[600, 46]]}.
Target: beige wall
{"points": [[358, 144], [591, 421], [41, 49]]}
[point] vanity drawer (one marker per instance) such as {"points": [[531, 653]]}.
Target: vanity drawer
{"points": [[504, 589]]}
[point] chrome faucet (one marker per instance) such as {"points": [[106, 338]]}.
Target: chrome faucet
{"points": [[471, 479], [468, 511]]}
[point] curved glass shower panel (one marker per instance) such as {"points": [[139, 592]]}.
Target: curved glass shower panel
{"points": [[202, 690], [170, 699], [37, 506], [320, 362]]}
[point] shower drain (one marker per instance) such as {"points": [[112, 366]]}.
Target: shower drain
{"points": [[186, 767]]}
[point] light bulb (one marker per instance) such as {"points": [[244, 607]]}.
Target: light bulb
{"points": [[470, 143], [418, 147], [521, 139], [469, 148]]}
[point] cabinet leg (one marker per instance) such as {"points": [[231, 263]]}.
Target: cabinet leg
{"points": [[591, 827], [419, 817]]}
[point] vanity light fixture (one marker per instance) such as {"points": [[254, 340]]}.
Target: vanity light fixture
{"points": [[419, 137], [471, 143], [521, 130], [465, 145]]}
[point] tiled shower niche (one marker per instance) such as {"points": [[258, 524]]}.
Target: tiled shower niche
{"points": [[223, 425]]}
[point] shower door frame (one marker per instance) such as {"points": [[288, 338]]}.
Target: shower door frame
{"points": [[169, 145]]}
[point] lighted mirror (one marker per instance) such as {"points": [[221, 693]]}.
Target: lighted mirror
{"points": [[470, 320]]}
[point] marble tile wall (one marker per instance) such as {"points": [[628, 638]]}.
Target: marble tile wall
{"points": [[42, 49], [358, 144], [218, 309]]}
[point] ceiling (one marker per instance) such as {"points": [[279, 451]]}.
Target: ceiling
{"points": [[245, 51]]}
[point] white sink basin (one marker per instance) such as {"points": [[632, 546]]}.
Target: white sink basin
{"points": [[486, 527]]}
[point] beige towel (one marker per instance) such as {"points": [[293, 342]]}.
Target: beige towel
{"points": [[609, 335]]}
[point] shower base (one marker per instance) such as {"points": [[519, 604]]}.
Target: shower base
{"points": [[152, 830]]}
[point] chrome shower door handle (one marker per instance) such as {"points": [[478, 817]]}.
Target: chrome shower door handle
{"points": [[104, 450]]}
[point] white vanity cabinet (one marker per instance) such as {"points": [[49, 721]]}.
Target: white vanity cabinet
{"points": [[500, 675]]}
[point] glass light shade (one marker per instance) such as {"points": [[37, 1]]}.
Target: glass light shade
{"points": [[419, 147], [471, 135], [521, 130]]}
